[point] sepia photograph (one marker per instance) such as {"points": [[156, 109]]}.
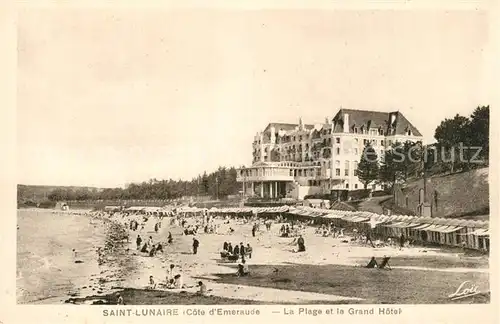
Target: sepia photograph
{"points": [[190, 156]]}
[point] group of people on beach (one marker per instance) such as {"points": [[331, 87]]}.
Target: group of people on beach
{"points": [[149, 247], [237, 251]]}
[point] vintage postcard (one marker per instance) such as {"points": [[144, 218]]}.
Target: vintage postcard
{"points": [[243, 162]]}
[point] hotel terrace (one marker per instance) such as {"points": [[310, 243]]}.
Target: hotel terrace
{"points": [[295, 160]]}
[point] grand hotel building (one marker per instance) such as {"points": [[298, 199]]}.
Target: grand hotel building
{"points": [[295, 160]]}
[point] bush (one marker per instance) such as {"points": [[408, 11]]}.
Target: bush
{"points": [[318, 196], [358, 194], [47, 204], [380, 193]]}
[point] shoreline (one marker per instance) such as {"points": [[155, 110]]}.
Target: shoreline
{"points": [[271, 251]]}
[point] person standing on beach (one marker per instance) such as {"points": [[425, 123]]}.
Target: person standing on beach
{"points": [[242, 250], [254, 228], [196, 244], [301, 244], [170, 239], [156, 228], [138, 241], [171, 272], [150, 242], [249, 250], [229, 248], [369, 239], [236, 250]]}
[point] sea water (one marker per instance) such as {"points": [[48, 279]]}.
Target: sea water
{"points": [[46, 268]]}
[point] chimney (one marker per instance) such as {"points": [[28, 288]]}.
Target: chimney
{"points": [[393, 119], [346, 123]]}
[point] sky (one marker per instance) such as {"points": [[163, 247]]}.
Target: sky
{"points": [[110, 97]]}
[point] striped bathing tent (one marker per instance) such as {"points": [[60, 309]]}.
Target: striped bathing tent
{"points": [[470, 234]]}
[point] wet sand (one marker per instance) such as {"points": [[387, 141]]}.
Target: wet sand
{"points": [[268, 250]]}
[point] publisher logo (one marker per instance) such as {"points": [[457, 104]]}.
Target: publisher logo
{"points": [[466, 289]]}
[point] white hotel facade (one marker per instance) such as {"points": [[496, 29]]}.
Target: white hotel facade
{"points": [[295, 160]]}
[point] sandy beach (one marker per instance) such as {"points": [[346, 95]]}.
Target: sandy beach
{"points": [[330, 271], [331, 274]]}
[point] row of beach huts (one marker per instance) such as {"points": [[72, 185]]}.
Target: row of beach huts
{"points": [[470, 234]]}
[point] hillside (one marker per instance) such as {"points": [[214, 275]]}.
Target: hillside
{"points": [[453, 195], [37, 193]]}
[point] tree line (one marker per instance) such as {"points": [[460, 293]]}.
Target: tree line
{"points": [[220, 183], [441, 157], [462, 143]]}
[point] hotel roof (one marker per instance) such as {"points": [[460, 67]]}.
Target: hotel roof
{"points": [[374, 119], [285, 126]]}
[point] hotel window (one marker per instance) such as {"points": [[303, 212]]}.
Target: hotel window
{"points": [[390, 142], [382, 142], [300, 138], [337, 140], [355, 186], [356, 151], [338, 150], [337, 172], [337, 163], [347, 186], [355, 168], [365, 142], [373, 132], [346, 168], [381, 131], [355, 130]]}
